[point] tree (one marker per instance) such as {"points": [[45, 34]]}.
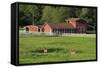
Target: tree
{"points": [[29, 14], [47, 11], [54, 14], [90, 15]]}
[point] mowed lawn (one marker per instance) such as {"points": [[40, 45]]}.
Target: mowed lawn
{"points": [[59, 49]]}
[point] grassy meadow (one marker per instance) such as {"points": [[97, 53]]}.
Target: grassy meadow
{"points": [[58, 49]]}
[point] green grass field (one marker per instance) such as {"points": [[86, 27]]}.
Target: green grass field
{"points": [[59, 49]]}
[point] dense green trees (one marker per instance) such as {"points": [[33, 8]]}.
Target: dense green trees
{"points": [[37, 14], [29, 14]]}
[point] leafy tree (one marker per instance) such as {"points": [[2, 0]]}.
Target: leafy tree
{"points": [[90, 15], [29, 14]]}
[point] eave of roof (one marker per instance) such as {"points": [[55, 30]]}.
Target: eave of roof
{"points": [[61, 26]]}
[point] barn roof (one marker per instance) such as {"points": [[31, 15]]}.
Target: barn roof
{"points": [[76, 19], [66, 25], [31, 26], [60, 25], [72, 19]]}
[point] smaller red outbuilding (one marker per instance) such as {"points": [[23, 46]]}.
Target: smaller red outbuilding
{"points": [[31, 28]]}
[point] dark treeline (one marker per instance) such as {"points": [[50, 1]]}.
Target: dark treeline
{"points": [[37, 14]]}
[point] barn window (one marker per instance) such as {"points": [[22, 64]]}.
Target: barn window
{"points": [[27, 29], [68, 21], [38, 30]]}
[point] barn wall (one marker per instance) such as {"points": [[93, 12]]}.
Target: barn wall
{"points": [[33, 28], [82, 27], [73, 24], [47, 28]]}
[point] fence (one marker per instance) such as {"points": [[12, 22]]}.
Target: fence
{"points": [[27, 34]]}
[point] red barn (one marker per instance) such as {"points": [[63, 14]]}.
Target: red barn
{"points": [[72, 25], [31, 28]]}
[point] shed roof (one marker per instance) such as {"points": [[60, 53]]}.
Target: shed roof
{"points": [[31, 26]]}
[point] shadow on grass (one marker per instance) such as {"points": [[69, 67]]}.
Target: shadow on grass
{"points": [[51, 50], [55, 51], [47, 50]]}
